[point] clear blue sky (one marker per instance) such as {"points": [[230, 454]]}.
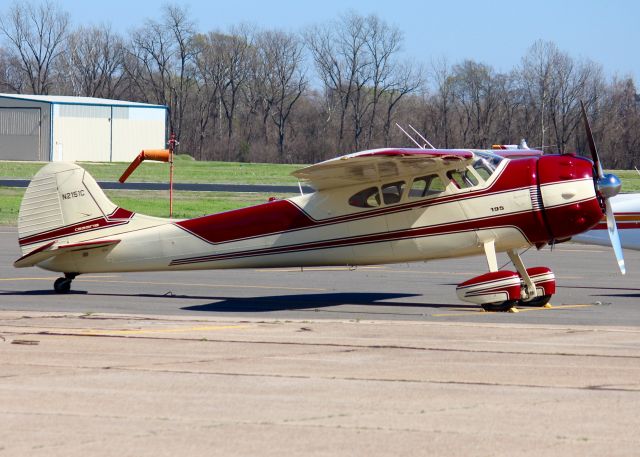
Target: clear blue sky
{"points": [[496, 32]]}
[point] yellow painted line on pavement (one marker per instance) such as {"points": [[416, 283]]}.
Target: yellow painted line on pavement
{"points": [[99, 279], [211, 286], [28, 279], [541, 308], [286, 270], [52, 278], [521, 310], [460, 313], [165, 330]]}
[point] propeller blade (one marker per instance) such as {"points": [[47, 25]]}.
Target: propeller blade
{"points": [[592, 144], [614, 237]]}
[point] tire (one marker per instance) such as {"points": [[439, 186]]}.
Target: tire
{"points": [[538, 301], [62, 285], [499, 306]]}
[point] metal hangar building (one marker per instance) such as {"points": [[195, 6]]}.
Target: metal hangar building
{"points": [[59, 128]]}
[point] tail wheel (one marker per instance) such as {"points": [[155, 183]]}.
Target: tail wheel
{"points": [[538, 301], [499, 306]]}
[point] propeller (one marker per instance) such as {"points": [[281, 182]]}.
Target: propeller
{"points": [[608, 185]]}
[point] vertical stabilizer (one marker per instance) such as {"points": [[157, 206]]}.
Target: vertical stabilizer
{"points": [[62, 200]]}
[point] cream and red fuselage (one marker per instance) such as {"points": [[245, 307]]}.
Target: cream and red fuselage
{"points": [[529, 201]]}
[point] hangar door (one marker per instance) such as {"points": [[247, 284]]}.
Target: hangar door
{"points": [[20, 134]]}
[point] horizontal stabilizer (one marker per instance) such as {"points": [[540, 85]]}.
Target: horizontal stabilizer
{"points": [[52, 249]]}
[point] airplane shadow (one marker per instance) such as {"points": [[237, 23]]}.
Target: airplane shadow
{"points": [[636, 295], [225, 304], [311, 301]]}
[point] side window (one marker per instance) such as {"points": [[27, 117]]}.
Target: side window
{"points": [[426, 186], [367, 198], [482, 169], [392, 193], [462, 179]]}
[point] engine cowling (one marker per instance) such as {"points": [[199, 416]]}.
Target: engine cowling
{"points": [[568, 195]]}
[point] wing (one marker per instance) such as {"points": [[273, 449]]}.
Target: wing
{"points": [[372, 166]]}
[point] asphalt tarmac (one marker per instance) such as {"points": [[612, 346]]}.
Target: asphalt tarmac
{"points": [[591, 291]]}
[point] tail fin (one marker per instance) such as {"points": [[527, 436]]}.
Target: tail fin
{"points": [[63, 200]]}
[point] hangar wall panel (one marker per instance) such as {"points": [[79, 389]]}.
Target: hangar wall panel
{"points": [[135, 129], [81, 132], [24, 130], [20, 133]]}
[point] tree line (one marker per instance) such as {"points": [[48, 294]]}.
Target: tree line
{"points": [[248, 94]]}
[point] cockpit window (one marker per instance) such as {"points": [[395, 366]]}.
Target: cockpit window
{"points": [[392, 193], [426, 186], [367, 198], [486, 163]]}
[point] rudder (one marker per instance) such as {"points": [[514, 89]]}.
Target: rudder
{"points": [[62, 200]]}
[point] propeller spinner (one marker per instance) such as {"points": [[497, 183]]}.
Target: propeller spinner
{"points": [[608, 185]]}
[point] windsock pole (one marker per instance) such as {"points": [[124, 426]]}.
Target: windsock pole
{"points": [[161, 155], [172, 144]]}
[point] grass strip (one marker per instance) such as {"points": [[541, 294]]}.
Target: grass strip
{"points": [[152, 202], [185, 171]]}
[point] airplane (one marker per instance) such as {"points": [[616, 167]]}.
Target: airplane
{"points": [[372, 207]]}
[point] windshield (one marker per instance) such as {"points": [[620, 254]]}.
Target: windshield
{"points": [[486, 163]]}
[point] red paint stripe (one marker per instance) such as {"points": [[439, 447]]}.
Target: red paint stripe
{"points": [[118, 217], [511, 220]]}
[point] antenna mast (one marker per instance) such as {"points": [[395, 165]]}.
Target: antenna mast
{"points": [[410, 137], [421, 137]]}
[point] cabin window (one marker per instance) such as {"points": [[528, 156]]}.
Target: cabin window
{"points": [[462, 179], [367, 198], [392, 193], [426, 186], [483, 169]]}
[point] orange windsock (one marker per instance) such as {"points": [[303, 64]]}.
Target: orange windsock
{"points": [[162, 155]]}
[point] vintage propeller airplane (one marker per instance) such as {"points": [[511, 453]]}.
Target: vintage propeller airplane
{"points": [[378, 206]]}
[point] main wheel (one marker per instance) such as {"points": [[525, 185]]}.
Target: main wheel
{"points": [[538, 301], [62, 285], [499, 306]]}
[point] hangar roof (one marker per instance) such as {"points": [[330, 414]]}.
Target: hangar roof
{"points": [[67, 100]]}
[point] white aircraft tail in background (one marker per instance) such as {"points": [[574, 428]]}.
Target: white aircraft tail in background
{"points": [[626, 208]]}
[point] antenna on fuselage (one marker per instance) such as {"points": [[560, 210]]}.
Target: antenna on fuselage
{"points": [[421, 137]]}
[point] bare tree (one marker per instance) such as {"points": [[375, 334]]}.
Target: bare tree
{"points": [[36, 37], [406, 79], [11, 79], [284, 79], [160, 62], [94, 62], [442, 80], [339, 52], [477, 98], [383, 45]]}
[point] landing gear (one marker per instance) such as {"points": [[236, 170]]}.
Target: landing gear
{"points": [[63, 285], [501, 290]]}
